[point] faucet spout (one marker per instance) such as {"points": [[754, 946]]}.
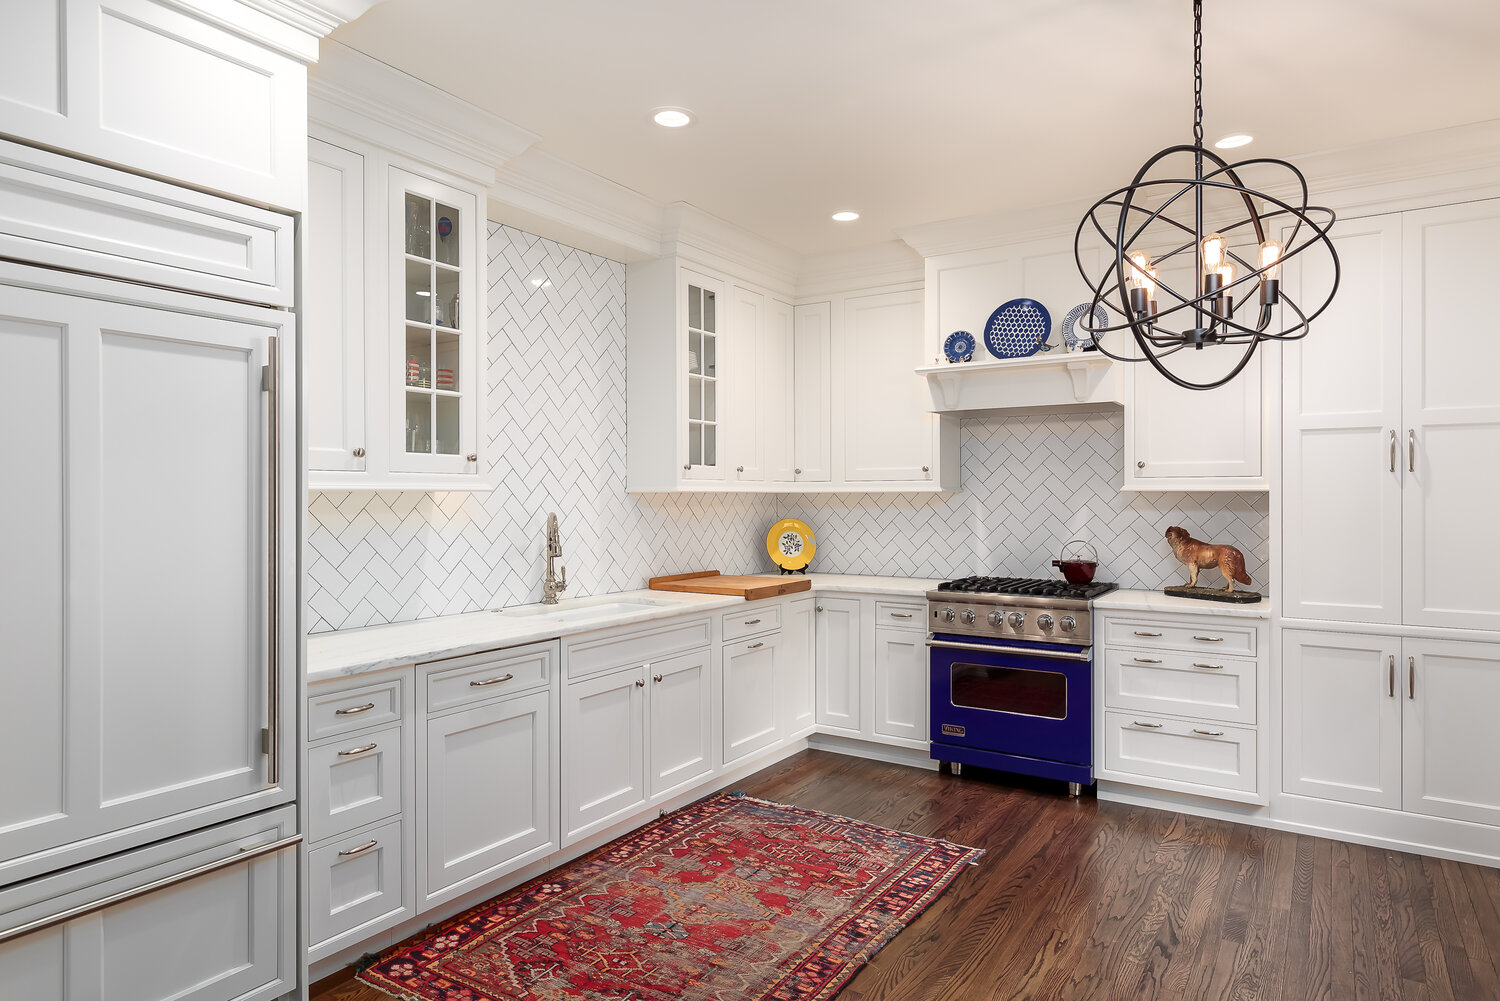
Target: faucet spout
{"points": [[552, 585]]}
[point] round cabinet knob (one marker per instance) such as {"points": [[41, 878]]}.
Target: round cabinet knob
{"points": [[359, 453], [925, 469], [797, 472], [997, 618], [1068, 623], [473, 456], [967, 616], [687, 466], [739, 469], [1044, 621], [947, 615], [1016, 619], [1140, 464]]}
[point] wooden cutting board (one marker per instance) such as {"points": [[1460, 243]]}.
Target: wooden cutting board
{"points": [[713, 582]]}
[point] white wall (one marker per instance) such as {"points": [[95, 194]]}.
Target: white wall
{"points": [[555, 427]]}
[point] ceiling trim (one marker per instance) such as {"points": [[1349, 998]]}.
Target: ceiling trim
{"points": [[313, 17], [541, 186], [872, 266], [693, 234], [354, 93]]}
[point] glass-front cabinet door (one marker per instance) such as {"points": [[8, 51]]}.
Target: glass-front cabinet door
{"points": [[435, 335], [700, 438]]}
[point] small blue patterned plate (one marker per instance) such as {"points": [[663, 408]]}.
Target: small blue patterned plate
{"points": [[1018, 329], [959, 346], [1082, 340]]}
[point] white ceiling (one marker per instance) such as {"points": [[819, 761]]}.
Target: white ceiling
{"points": [[911, 112]]}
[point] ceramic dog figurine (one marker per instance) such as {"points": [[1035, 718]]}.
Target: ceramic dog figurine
{"points": [[1196, 555]]}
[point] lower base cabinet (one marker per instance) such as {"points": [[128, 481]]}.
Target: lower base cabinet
{"points": [[604, 750], [1405, 724], [796, 683], [680, 735], [750, 703], [839, 663], [488, 793], [355, 883], [901, 685]]}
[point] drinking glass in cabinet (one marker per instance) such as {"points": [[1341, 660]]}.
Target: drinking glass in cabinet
{"points": [[418, 232], [418, 357], [445, 373], [418, 292], [448, 236], [447, 425], [445, 298], [419, 423]]}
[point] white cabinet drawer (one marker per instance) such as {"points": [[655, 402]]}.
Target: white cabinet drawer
{"points": [[354, 884], [72, 214], [353, 782], [901, 614], [490, 675], [333, 713], [595, 653], [752, 622], [1176, 634], [1196, 754], [1206, 685]]}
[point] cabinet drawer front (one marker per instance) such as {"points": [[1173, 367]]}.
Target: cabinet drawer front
{"points": [[1206, 754], [344, 712], [353, 782], [753, 622], [901, 614], [1206, 685], [353, 883], [1174, 634], [70, 214], [599, 652], [492, 675]]}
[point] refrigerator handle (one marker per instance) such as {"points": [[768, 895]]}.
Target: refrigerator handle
{"points": [[272, 743]]}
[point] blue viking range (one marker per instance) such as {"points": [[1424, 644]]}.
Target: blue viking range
{"points": [[1010, 662]]}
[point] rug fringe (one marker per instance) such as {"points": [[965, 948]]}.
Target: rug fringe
{"points": [[974, 860]]}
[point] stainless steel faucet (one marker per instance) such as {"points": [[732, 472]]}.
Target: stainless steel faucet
{"points": [[552, 586]]}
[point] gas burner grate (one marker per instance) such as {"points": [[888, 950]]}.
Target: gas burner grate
{"points": [[1038, 587]]}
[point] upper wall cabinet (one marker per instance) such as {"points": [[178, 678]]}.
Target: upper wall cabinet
{"points": [[144, 84], [732, 388], [392, 313]]}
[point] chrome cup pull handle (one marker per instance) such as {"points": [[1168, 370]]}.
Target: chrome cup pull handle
{"points": [[491, 681], [354, 710], [358, 750]]}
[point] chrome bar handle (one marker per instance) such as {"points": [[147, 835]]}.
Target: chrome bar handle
{"points": [[1209, 639], [1411, 450], [94, 906], [1147, 635], [1146, 660], [1209, 667], [1411, 679], [358, 851], [900, 615], [354, 710], [755, 646], [752, 622], [986, 648], [1209, 733], [1393, 450], [1149, 726], [491, 681], [355, 751], [1390, 680], [273, 562]]}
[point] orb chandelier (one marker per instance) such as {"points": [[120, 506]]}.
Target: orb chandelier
{"points": [[1197, 260]]}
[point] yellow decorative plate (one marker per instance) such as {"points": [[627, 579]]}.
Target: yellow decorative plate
{"points": [[790, 543]]}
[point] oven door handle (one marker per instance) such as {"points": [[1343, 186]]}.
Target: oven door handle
{"points": [[1022, 651]]}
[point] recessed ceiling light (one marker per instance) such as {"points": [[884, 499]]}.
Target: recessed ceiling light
{"points": [[672, 118], [1234, 140], [845, 216]]}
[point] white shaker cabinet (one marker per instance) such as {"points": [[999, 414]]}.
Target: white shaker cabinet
{"points": [[901, 688], [796, 684], [888, 432], [839, 663], [141, 525], [604, 750], [749, 695], [778, 402], [812, 392], [681, 731], [745, 386], [1451, 744], [1185, 439]]}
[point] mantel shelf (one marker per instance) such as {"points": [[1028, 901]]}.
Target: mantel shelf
{"points": [[1055, 379]]}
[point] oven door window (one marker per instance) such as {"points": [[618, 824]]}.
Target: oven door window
{"points": [[1022, 691]]}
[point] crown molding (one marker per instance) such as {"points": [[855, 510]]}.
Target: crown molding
{"points": [[694, 235], [353, 93], [871, 266], [558, 200], [315, 19]]}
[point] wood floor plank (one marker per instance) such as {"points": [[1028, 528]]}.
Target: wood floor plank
{"points": [[1077, 900]]}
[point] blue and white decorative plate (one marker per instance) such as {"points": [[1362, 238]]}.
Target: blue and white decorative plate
{"points": [[1079, 340], [1018, 329], [959, 346]]}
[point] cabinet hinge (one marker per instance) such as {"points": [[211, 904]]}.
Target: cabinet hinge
{"points": [[265, 740], [265, 378]]}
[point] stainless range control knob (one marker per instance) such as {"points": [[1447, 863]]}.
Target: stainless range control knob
{"points": [[1044, 621], [1016, 619], [947, 615], [1068, 623], [967, 616], [997, 618]]}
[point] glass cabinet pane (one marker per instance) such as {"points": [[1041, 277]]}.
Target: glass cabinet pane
{"points": [[418, 226], [418, 357], [419, 422], [710, 454], [446, 439], [695, 352], [710, 406], [448, 235], [445, 298], [418, 292], [695, 306], [709, 361], [709, 322], [445, 368], [695, 444]]}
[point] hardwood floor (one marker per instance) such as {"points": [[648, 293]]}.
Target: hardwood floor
{"points": [[1082, 899]]}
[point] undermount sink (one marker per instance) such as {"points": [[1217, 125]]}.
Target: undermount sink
{"points": [[578, 609]]}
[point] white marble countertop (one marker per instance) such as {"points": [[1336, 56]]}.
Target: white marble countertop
{"points": [[1154, 601], [349, 652]]}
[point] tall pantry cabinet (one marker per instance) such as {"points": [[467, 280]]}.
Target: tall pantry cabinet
{"points": [[1391, 428]]}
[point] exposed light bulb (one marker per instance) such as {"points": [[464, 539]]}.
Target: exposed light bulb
{"points": [[1140, 264], [1148, 282], [1215, 247], [1226, 274], [1270, 259]]}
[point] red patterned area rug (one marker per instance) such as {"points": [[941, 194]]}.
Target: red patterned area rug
{"points": [[729, 899]]}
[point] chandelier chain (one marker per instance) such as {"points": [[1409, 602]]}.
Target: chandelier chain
{"points": [[1198, 73]]}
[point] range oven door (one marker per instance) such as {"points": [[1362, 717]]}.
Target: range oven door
{"points": [[1028, 700]]}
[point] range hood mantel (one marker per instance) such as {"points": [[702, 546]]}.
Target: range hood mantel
{"points": [[1059, 379]]}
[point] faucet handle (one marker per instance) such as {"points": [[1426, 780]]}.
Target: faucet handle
{"points": [[562, 584]]}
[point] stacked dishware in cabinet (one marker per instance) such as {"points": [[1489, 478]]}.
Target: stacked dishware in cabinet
{"points": [[1181, 703]]}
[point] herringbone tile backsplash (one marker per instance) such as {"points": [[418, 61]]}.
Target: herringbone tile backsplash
{"points": [[555, 428]]}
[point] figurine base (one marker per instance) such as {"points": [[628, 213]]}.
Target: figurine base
{"points": [[1214, 594]]}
